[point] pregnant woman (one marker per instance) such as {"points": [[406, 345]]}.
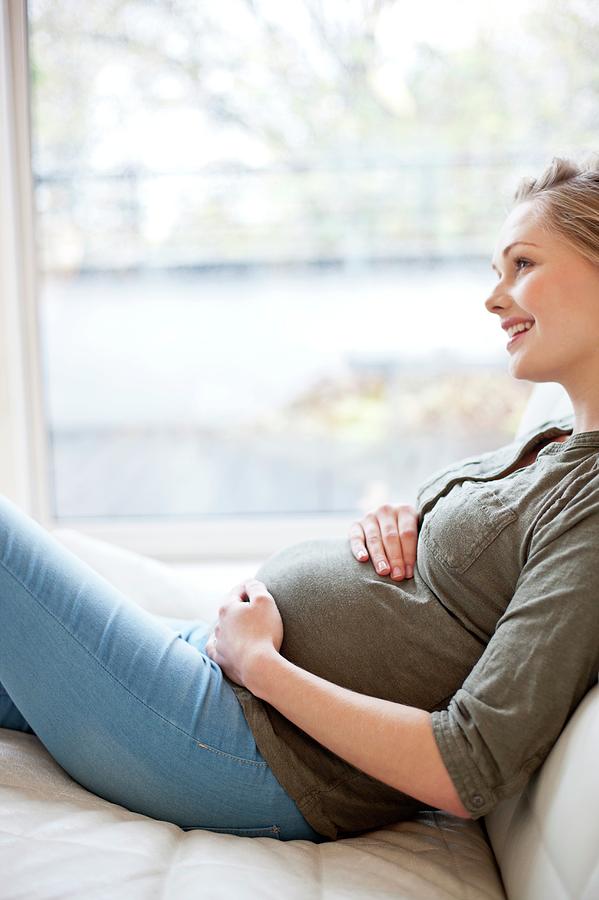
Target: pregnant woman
{"points": [[334, 695]]}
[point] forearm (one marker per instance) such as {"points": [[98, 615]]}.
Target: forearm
{"points": [[389, 741]]}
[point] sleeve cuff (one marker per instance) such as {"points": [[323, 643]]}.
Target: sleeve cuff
{"points": [[475, 796]]}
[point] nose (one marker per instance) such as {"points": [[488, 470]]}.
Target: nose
{"points": [[496, 301]]}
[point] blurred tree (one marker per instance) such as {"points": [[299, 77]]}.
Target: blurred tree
{"points": [[375, 152]]}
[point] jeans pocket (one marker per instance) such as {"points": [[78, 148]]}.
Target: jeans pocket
{"points": [[270, 831]]}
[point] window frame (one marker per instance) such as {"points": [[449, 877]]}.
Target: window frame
{"points": [[24, 450]]}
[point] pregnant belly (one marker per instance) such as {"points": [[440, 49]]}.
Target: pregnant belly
{"points": [[345, 623]]}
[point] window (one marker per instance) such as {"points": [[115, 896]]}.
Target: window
{"points": [[264, 234]]}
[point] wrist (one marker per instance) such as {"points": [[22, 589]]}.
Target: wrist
{"points": [[262, 668]]}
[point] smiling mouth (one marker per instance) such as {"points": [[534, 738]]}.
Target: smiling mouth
{"points": [[518, 336]]}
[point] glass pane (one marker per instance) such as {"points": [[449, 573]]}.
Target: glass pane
{"points": [[264, 243]]}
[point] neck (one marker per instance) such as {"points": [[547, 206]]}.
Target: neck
{"points": [[585, 420], [585, 403]]}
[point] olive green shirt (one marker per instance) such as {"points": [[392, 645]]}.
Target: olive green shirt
{"points": [[497, 634]]}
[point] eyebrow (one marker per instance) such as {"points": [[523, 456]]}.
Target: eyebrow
{"points": [[509, 247]]}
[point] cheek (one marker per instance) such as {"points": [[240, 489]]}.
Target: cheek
{"points": [[547, 302], [562, 330], [538, 296]]}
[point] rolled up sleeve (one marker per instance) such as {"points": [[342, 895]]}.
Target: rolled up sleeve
{"points": [[540, 662]]}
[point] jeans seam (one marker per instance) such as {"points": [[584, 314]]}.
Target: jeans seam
{"points": [[118, 681]]}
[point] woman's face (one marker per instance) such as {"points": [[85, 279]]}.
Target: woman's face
{"points": [[557, 289]]}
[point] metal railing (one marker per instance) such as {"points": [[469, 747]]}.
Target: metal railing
{"points": [[287, 215]]}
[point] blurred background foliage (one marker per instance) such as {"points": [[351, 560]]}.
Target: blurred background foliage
{"points": [[294, 131]]}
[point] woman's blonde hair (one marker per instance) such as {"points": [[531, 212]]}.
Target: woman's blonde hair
{"points": [[566, 201]]}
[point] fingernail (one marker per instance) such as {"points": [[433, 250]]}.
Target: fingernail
{"points": [[397, 573], [382, 566], [362, 554], [409, 571]]}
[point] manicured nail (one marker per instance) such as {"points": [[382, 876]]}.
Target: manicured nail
{"points": [[409, 571], [382, 565], [396, 573], [362, 554]]}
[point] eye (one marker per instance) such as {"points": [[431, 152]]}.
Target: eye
{"points": [[520, 259], [517, 261]]}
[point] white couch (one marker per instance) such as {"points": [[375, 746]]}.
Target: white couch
{"points": [[57, 840]]}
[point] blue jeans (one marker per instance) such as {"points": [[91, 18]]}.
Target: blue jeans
{"points": [[125, 701]]}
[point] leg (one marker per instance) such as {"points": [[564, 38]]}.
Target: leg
{"points": [[10, 716], [129, 709], [194, 631]]}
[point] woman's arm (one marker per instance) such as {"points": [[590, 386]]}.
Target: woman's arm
{"points": [[389, 741]]}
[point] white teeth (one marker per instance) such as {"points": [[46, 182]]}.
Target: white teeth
{"points": [[522, 326]]}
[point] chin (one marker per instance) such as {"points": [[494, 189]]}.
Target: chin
{"points": [[526, 370], [520, 372]]}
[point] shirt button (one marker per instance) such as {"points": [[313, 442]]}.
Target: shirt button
{"points": [[477, 800]]}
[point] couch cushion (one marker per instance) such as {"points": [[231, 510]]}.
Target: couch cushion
{"points": [[546, 840], [59, 840], [155, 585]]}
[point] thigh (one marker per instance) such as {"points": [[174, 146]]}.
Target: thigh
{"points": [[194, 631], [125, 705]]}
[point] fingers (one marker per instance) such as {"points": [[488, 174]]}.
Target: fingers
{"points": [[357, 542], [245, 591], [390, 536], [210, 647], [383, 541], [257, 591], [235, 595], [407, 523]]}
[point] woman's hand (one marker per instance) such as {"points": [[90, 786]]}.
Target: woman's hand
{"points": [[249, 624], [391, 535]]}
